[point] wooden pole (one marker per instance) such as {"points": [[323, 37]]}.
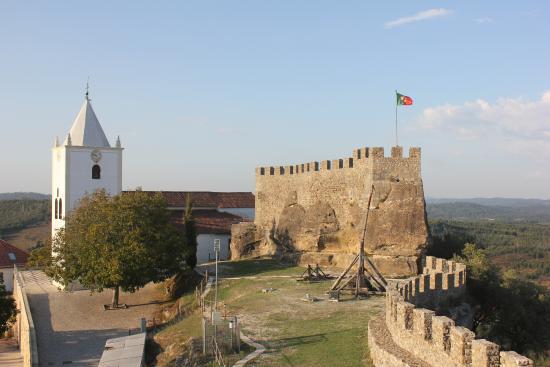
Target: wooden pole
{"points": [[361, 266]]}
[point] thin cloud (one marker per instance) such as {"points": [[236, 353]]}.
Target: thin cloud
{"points": [[522, 125], [423, 15], [483, 20]]}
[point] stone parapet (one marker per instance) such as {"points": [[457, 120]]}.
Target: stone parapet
{"points": [[25, 332], [433, 339]]}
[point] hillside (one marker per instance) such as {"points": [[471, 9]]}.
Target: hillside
{"points": [[507, 210], [520, 247], [25, 222], [23, 195]]}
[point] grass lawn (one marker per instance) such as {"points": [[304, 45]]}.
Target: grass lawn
{"points": [[296, 333]]}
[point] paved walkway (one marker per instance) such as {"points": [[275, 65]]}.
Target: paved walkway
{"points": [[72, 327], [9, 354]]}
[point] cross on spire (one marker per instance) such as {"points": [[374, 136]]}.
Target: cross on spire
{"points": [[88, 89]]}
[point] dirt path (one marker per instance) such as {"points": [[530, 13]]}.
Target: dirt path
{"points": [[72, 327]]}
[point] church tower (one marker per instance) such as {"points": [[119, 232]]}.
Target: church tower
{"points": [[84, 163]]}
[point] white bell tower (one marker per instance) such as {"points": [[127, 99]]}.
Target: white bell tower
{"points": [[84, 163]]}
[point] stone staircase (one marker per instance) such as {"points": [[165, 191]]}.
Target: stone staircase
{"points": [[9, 354]]}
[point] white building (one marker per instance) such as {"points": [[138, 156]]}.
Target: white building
{"points": [[84, 163], [10, 256], [214, 213]]}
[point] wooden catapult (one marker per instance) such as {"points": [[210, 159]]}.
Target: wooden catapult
{"points": [[366, 279], [314, 274]]}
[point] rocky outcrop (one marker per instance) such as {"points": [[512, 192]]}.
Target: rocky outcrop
{"points": [[315, 212]]}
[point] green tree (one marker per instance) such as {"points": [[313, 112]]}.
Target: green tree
{"points": [[509, 311], [41, 257], [190, 233], [121, 242], [8, 309], [181, 281]]}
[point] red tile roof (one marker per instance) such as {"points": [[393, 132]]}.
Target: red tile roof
{"points": [[209, 221], [5, 260], [207, 199]]}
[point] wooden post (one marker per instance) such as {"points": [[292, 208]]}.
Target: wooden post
{"points": [[361, 267]]}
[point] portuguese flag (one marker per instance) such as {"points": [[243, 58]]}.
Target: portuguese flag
{"points": [[403, 100]]}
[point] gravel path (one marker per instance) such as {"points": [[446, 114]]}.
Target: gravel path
{"points": [[72, 327]]}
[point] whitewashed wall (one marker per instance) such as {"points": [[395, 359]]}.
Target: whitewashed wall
{"points": [[8, 278], [72, 176], [205, 247]]}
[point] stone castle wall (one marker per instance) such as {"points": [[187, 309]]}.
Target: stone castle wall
{"points": [[24, 325], [409, 334], [315, 211]]}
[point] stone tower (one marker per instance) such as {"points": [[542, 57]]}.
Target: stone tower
{"points": [[314, 212], [84, 163]]}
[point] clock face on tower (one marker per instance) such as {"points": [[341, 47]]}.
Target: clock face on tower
{"points": [[95, 155]]}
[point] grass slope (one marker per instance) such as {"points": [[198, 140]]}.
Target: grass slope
{"points": [[296, 333]]}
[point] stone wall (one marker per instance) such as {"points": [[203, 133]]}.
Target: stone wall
{"points": [[314, 212], [24, 327], [435, 340]]}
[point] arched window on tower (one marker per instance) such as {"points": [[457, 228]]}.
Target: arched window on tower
{"points": [[96, 172], [60, 208], [56, 216]]}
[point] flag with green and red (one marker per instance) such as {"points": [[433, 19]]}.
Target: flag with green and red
{"points": [[403, 100]]}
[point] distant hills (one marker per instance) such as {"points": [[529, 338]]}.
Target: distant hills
{"points": [[23, 195], [502, 209], [489, 209]]}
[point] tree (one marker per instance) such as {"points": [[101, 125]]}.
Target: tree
{"points": [[41, 257], [8, 309], [509, 311], [190, 233], [121, 242], [182, 280]]}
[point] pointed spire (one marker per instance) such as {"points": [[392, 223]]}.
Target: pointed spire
{"points": [[118, 145], [86, 130], [69, 140], [56, 142]]}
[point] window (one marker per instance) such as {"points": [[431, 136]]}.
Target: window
{"points": [[60, 208], [56, 216], [11, 255], [96, 172]]}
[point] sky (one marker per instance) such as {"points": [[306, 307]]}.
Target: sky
{"points": [[202, 92]]}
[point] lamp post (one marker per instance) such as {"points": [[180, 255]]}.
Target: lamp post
{"points": [[217, 250]]}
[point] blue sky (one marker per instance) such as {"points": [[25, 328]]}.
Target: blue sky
{"points": [[201, 92]]}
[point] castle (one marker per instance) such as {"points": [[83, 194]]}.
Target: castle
{"points": [[314, 212], [409, 334]]}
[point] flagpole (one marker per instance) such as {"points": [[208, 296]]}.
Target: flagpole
{"points": [[396, 141]]}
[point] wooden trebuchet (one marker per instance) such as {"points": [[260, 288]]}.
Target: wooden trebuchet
{"points": [[314, 274], [367, 278]]}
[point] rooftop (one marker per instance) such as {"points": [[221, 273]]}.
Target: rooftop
{"points": [[10, 255], [210, 221], [207, 199]]}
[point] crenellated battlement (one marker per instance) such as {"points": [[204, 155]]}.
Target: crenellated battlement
{"points": [[435, 339], [361, 156]]}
